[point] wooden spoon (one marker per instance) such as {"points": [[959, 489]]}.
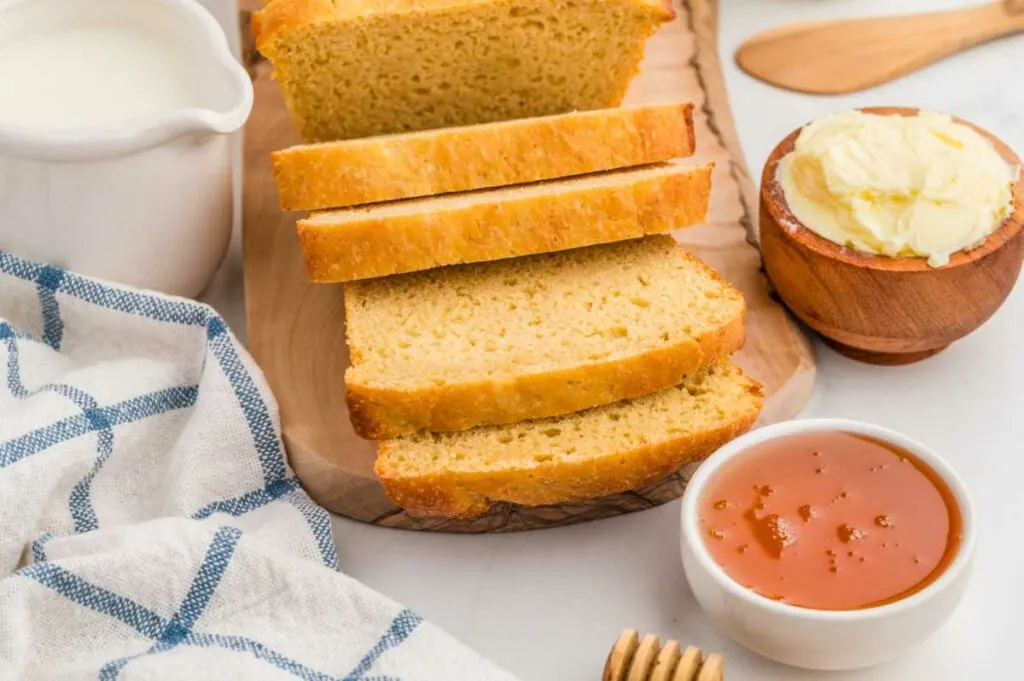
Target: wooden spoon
{"points": [[834, 57]]}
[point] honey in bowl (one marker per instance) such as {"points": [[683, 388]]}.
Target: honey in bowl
{"points": [[830, 521]]}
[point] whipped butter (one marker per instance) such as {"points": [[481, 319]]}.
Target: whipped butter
{"points": [[900, 186]]}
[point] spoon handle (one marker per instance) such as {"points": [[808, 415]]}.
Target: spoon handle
{"points": [[647, 659], [834, 57]]}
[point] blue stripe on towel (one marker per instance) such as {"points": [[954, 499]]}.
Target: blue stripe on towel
{"points": [[268, 445], [8, 331], [204, 585], [178, 632], [318, 520], [14, 384], [97, 599], [152, 404], [16, 267], [111, 670], [242, 644], [101, 420], [320, 523], [97, 419], [78, 397], [131, 410], [91, 410], [401, 628], [39, 547], [13, 451], [9, 335], [47, 284], [136, 303], [80, 500], [238, 644], [206, 581], [250, 501]]}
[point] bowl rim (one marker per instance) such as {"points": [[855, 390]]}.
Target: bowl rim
{"points": [[692, 536], [773, 202]]}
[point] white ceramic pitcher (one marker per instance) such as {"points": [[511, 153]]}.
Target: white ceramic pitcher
{"points": [[147, 201]]}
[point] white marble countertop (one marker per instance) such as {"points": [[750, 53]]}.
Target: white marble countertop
{"points": [[547, 605]]}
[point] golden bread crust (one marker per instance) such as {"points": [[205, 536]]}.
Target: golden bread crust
{"points": [[281, 16], [386, 168], [504, 227]]}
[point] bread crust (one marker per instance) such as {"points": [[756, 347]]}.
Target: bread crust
{"points": [[391, 167], [461, 494], [381, 413], [281, 16], [505, 226]]}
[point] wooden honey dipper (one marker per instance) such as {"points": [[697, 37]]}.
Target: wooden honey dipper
{"points": [[633, 659]]}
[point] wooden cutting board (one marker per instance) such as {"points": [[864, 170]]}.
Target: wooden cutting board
{"points": [[297, 332]]}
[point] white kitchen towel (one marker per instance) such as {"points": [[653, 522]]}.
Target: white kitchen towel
{"points": [[150, 527]]}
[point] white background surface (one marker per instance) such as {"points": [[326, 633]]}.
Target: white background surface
{"points": [[547, 605]]}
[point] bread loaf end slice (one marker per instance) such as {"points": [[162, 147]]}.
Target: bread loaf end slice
{"points": [[608, 449], [357, 68]]}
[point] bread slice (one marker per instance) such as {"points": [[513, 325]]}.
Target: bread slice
{"points": [[370, 170], [357, 68], [500, 342], [579, 456], [419, 234]]}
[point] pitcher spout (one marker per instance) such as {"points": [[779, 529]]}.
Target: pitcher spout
{"points": [[132, 75]]}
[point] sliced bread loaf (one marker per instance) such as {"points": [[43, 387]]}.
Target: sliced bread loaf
{"points": [[500, 342], [374, 169], [418, 234], [357, 68], [614, 448]]}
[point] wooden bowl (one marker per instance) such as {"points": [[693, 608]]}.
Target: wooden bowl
{"points": [[879, 309]]}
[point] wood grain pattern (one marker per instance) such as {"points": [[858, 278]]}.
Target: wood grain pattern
{"points": [[833, 57], [296, 329], [879, 309]]}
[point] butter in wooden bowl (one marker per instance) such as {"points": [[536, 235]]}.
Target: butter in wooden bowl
{"points": [[916, 186], [891, 231]]}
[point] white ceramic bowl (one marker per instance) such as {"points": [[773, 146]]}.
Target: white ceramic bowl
{"points": [[821, 639]]}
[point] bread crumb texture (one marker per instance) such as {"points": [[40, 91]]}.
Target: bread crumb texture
{"points": [[498, 342], [351, 68], [579, 456]]}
